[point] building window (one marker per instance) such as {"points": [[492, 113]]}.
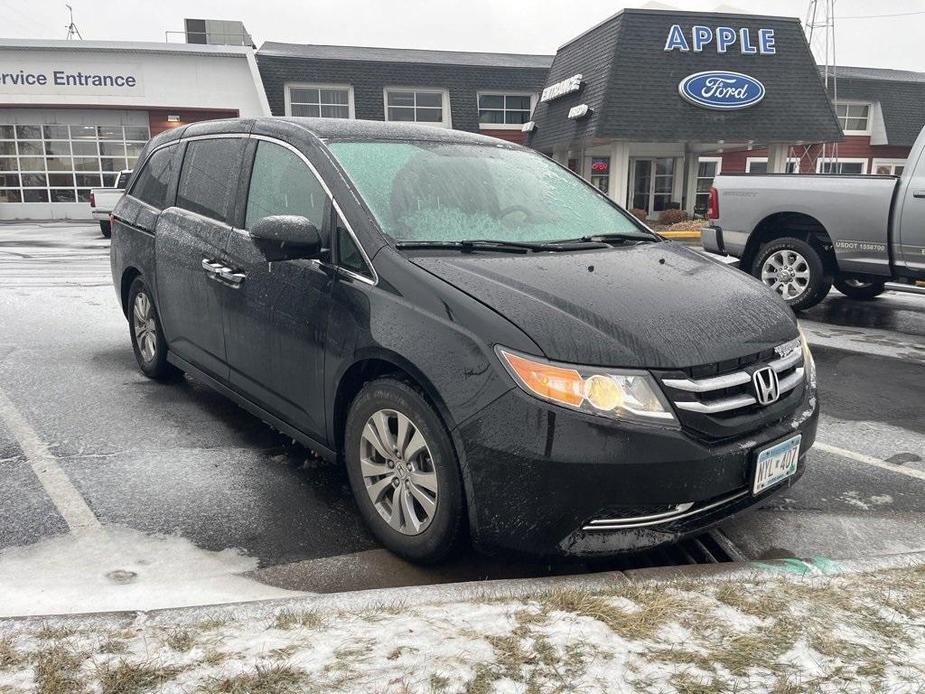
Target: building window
{"points": [[429, 106], [508, 110], [319, 100], [854, 118], [708, 168], [61, 163], [759, 165], [600, 173], [841, 166], [888, 167]]}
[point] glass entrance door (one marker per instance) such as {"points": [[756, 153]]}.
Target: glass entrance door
{"points": [[653, 180]]}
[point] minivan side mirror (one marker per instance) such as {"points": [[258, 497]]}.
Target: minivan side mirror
{"points": [[286, 237]]}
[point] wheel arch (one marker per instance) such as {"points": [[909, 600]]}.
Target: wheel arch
{"points": [[794, 224], [125, 284], [369, 367]]}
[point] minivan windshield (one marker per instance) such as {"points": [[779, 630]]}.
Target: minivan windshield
{"points": [[442, 192]]}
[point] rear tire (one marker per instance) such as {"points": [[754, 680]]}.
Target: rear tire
{"points": [[408, 491], [858, 290], [105, 229], [147, 335], [794, 270]]}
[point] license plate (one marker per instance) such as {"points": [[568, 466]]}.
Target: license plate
{"points": [[776, 463]]}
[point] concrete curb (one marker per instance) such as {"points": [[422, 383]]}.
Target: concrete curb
{"points": [[359, 601]]}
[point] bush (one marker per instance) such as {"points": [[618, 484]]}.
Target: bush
{"points": [[640, 214], [669, 217]]}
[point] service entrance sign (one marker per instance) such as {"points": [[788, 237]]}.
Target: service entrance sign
{"points": [[100, 79]]}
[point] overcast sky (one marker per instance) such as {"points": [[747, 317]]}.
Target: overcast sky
{"points": [[509, 26]]}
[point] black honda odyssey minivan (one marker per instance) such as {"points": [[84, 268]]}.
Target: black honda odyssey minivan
{"points": [[492, 348]]}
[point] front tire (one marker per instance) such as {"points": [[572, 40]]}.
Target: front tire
{"points": [[148, 341], [860, 290], [105, 228], [794, 270], [404, 472]]}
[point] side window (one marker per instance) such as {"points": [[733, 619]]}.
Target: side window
{"points": [[348, 254], [281, 183], [209, 176], [153, 179]]}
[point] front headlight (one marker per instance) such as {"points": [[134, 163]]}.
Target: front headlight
{"points": [[809, 364], [615, 393]]}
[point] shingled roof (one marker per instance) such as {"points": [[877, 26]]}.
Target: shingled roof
{"points": [[900, 93], [404, 55], [631, 84]]}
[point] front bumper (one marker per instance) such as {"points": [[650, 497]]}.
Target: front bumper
{"points": [[539, 475], [711, 238]]}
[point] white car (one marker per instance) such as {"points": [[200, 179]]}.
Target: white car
{"points": [[103, 200]]}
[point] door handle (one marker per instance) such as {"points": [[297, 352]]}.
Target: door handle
{"points": [[918, 193], [211, 266], [233, 278]]}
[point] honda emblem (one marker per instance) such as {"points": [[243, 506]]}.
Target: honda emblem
{"points": [[767, 387]]}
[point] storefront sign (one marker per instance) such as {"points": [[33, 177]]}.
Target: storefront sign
{"points": [[579, 111], [724, 91], [16, 78], [560, 89], [723, 38]]}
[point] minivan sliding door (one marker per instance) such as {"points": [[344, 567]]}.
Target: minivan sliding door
{"points": [[189, 248]]}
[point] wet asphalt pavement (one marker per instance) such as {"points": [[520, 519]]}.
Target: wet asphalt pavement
{"points": [[180, 460]]}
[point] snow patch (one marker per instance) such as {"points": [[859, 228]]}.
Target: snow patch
{"points": [[119, 568]]}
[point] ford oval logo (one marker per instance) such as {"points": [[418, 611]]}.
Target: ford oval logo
{"points": [[721, 90]]}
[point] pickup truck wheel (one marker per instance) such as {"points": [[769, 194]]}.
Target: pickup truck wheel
{"points": [[858, 289], [105, 228], [794, 270], [404, 472], [148, 341]]}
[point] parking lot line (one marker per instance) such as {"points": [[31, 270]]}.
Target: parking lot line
{"points": [[868, 460], [64, 495]]}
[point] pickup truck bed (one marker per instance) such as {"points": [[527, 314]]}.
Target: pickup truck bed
{"points": [[802, 233]]}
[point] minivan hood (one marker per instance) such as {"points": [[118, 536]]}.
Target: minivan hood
{"points": [[656, 305]]}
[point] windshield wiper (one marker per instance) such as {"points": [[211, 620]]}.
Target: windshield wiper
{"points": [[467, 245], [616, 237]]}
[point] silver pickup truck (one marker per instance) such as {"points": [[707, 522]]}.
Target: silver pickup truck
{"points": [[800, 233]]}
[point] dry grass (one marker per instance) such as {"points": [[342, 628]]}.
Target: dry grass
{"points": [[656, 606], [10, 656], [265, 679], [57, 670], [289, 619], [48, 632], [125, 677], [181, 640]]}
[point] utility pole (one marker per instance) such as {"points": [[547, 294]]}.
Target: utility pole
{"points": [[72, 30], [819, 26]]}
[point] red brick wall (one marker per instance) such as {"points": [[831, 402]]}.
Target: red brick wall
{"points": [[515, 136], [852, 147], [158, 122]]}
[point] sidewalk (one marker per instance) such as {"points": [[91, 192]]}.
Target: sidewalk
{"points": [[780, 626]]}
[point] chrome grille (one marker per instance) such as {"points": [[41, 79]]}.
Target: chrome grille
{"points": [[718, 401], [789, 371]]}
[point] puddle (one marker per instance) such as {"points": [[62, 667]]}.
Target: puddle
{"points": [[122, 569]]}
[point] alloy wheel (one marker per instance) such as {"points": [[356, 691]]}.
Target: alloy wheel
{"points": [[398, 471], [786, 272], [144, 326]]}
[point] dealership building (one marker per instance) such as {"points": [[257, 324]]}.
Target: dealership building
{"points": [[648, 105], [75, 113]]}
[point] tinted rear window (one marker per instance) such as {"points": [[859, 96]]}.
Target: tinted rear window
{"points": [[153, 179], [210, 176]]}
